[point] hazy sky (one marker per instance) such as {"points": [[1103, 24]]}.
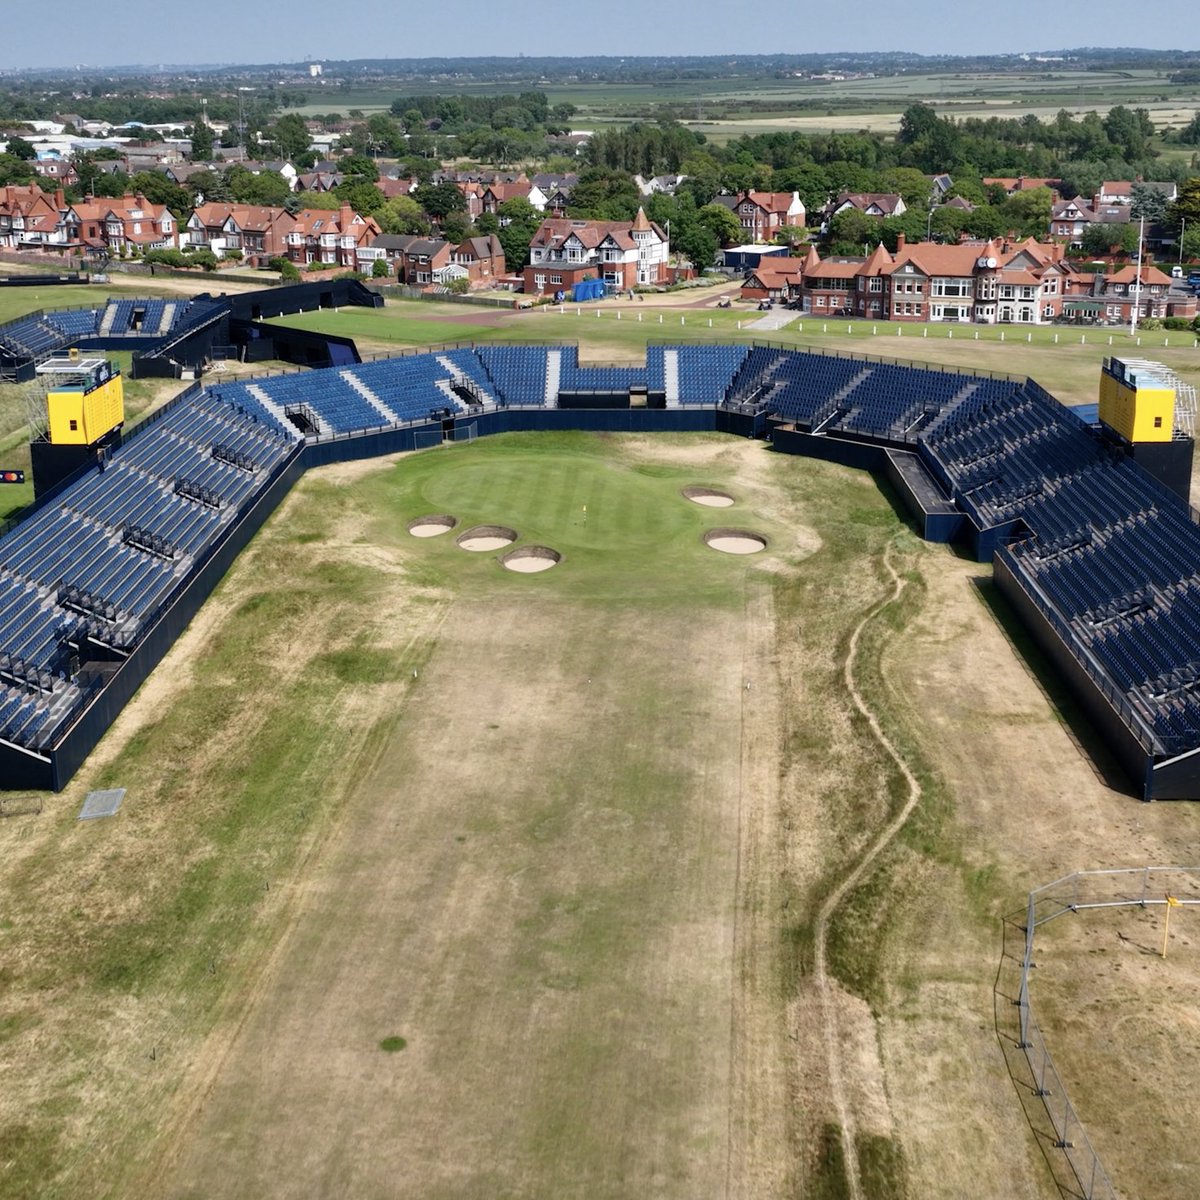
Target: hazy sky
{"points": [[229, 31]]}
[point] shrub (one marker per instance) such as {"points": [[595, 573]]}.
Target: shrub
{"points": [[232, 254], [203, 258], [286, 268], [1179, 323], [459, 286], [379, 269], [168, 258]]}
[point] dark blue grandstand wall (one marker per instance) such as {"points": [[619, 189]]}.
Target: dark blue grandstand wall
{"points": [[25, 770], [41, 279], [1114, 732], [354, 447], [302, 297], [306, 348], [91, 725]]}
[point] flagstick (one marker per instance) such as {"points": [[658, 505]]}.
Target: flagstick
{"points": [[1166, 930]]}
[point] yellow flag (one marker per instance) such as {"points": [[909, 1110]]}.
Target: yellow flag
{"points": [[1172, 902]]}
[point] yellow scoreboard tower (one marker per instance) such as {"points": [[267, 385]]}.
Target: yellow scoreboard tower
{"points": [[85, 410], [1148, 410]]}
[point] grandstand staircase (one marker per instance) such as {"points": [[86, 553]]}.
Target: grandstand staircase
{"points": [[446, 387], [168, 316], [106, 322], [553, 376], [369, 396], [671, 377], [833, 406], [274, 409], [471, 387], [948, 410]]}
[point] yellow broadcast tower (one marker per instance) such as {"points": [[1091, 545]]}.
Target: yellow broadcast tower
{"points": [[85, 410], [1150, 412]]}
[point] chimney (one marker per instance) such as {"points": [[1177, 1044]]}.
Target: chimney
{"points": [[346, 217], [60, 200], [900, 242]]}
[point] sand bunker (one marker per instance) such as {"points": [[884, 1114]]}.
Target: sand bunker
{"points": [[735, 541], [529, 560], [707, 496], [432, 525], [487, 537]]}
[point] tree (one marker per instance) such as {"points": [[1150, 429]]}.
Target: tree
{"points": [[909, 183], [18, 147], [379, 269], [851, 228], [289, 135], [697, 243], [363, 197], [158, 189], [519, 221], [456, 227], [1028, 213], [605, 195], [1191, 243], [1148, 202], [202, 142], [267, 187], [14, 170], [402, 214], [359, 167], [721, 223], [1187, 205], [985, 222], [439, 199]]}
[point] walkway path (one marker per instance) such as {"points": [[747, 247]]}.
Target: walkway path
{"points": [[835, 898]]}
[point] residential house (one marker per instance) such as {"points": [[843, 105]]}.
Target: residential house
{"points": [[1022, 183], [482, 259], [872, 204], [496, 194], [414, 260], [318, 181], [1069, 218], [60, 172], [30, 217], [181, 172], [120, 225], [320, 236], [550, 182], [260, 232], [827, 284], [659, 185], [775, 278], [762, 215], [625, 254], [391, 188], [985, 282], [1117, 297], [939, 185]]}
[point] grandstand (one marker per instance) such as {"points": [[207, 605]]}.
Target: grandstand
{"points": [[1101, 559]]}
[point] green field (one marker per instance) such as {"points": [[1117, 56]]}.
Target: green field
{"points": [[728, 107], [506, 885], [494, 815]]}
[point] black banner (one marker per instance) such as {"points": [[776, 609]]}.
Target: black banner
{"points": [[7, 476]]}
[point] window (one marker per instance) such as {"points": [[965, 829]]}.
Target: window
{"points": [[1157, 422], [539, 281], [877, 284], [74, 426], [820, 301], [556, 279]]}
